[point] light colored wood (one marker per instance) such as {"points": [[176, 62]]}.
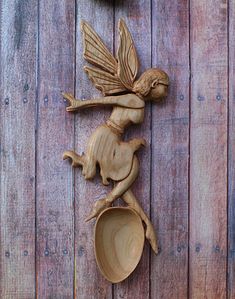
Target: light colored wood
{"points": [[18, 23], [170, 146], [208, 150], [119, 242], [115, 157]]}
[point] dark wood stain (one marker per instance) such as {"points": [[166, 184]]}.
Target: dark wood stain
{"points": [[18, 23]]}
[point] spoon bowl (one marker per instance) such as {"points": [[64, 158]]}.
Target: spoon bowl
{"points": [[119, 241]]}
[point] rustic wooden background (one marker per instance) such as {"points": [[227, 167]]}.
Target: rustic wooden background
{"points": [[187, 179]]}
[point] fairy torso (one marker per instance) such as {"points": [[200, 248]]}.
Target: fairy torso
{"points": [[124, 117]]}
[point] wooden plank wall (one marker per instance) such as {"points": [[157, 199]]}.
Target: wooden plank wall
{"points": [[208, 149], [17, 148], [231, 152], [88, 282], [138, 285], [55, 130], [170, 136], [186, 183]]}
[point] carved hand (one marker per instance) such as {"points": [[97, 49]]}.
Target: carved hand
{"points": [[74, 104]]}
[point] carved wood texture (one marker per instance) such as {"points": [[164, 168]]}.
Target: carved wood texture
{"points": [[106, 147], [46, 248]]}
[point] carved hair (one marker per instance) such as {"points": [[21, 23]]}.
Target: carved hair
{"points": [[144, 84]]}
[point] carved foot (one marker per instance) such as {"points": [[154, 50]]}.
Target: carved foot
{"points": [[98, 207], [151, 237], [75, 158]]}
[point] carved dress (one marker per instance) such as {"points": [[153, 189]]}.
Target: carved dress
{"points": [[106, 148]]}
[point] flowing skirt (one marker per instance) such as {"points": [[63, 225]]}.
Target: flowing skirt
{"points": [[114, 156]]}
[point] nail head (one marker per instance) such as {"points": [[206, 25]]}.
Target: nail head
{"points": [[181, 97], [200, 98], [26, 87]]}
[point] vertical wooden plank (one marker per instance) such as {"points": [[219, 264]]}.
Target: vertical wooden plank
{"points": [[17, 148], [89, 282], [231, 155], [137, 15], [55, 227], [170, 149], [208, 149]]}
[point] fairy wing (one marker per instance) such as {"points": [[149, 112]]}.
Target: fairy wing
{"points": [[104, 81], [127, 57], [104, 75]]}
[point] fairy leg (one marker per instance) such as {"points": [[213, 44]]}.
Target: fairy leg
{"points": [[77, 160], [120, 188], [133, 203], [88, 163]]}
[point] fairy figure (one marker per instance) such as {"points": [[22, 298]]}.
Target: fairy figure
{"points": [[116, 78]]}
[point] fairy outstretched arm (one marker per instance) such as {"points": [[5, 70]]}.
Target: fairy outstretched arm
{"points": [[127, 101], [109, 74]]}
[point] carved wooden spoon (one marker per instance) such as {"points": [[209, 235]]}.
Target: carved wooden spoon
{"points": [[119, 241]]}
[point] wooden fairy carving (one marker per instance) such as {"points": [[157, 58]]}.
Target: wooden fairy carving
{"points": [[116, 78]]}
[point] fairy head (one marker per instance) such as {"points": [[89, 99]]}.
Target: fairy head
{"points": [[117, 75], [152, 84]]}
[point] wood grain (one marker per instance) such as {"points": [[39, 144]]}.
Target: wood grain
{"points": [[89, 282], [137, 15], [52, 69], [55, 227], [170, 138], [17, 148], [208, 150], [119, 241], [231, 156]]}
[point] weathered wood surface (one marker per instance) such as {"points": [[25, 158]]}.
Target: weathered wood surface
{"points": [[55, 131], [138, 15], [41, 48], [231, 156], [89, 283], [17, 148], [170, 150], [208, 149]]}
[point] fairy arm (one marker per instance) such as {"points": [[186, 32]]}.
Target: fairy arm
{"points": [[127, 101]]}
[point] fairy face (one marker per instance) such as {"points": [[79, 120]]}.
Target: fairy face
{"points": [[152, 84], [158, 91]]}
